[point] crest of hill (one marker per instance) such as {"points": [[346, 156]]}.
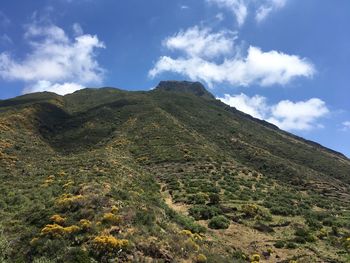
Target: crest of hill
{"points": [[195, 88]]}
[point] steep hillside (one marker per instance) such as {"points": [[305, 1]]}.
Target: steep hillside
{"points": [[171, 175]]}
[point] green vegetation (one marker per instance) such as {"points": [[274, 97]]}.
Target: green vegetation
{"points": [[113, 176], [219, 222]]}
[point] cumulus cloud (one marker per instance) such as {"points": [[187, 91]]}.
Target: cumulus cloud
{"points": [[255, 106], [61, 89], [54, 58], [201, 42], [241, 8], [201, 49], [300, 115], [287, 115]]}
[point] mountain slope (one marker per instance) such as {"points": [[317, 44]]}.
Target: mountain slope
{"points": [[106, 173]]}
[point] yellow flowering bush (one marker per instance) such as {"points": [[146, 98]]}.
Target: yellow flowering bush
{"points": [[85, 224], [107, 243], [69, 183], [201, 258], [114, 209], [250, 210], [255, 258], [71, 229], [33, 241], [68, 200], [191, 246], [189, 234], [111, 218], [56, 231], [186, 233], [57, 219]]}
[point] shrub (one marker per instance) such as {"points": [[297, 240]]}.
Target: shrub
{"points": [[56, 231], [219, 222], [214, 198], [255, 257], [291, 245], [185, 222], [250, 210], [198, 199], [145, 217], [110, 218], [104, 244], [185, 232], [279, 244], [329, 221], [201, 258], [203, 212], [85, 224], [69, 201], [304, 235], [57, 219], [313, 223], [191, 246]]}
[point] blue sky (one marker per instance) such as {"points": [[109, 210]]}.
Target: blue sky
{"points": [[285, 61]]}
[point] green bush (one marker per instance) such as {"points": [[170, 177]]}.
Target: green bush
{"points": [[219, 222], [186, 222], [203, 212], [279, 244], [198, 199], [214, 198], [291, 245]]}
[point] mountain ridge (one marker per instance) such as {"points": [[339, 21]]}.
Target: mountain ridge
{"points": [[151, 175]]}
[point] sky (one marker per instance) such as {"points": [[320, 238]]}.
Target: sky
{"points": [[284, 61]]}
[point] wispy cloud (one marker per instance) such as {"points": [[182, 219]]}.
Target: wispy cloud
{"points": [[242, 8], [201, 52], [287, 115], [238, 7], [346, 126], [55, 60], [267, 8], [4, 20]]}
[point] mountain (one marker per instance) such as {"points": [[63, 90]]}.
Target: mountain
{"points": [[167, 175]]}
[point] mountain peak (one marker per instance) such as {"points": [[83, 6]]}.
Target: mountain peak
{"points": [[195, 88]]}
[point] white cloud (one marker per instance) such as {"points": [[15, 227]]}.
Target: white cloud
{"points": [[346, 126], [300, 115], [54, 58], [77, 29], [255, 106], [242, 8], [270, 6], [61, 89], [184, 7], [201, 42], [220, 17], [258, 67], [287, 115], [238, 7]]}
